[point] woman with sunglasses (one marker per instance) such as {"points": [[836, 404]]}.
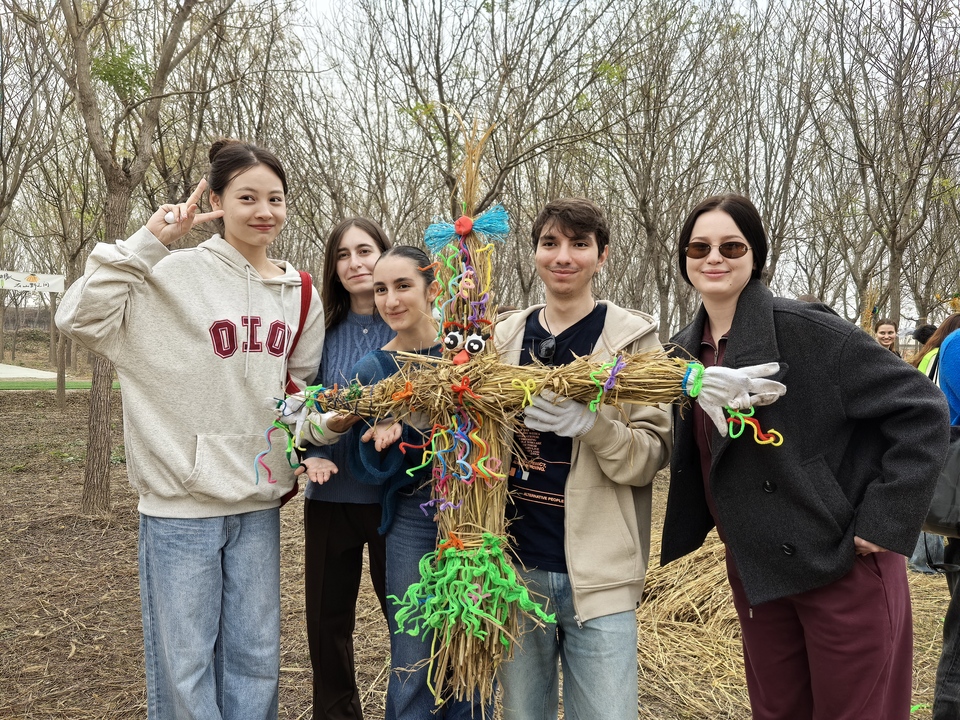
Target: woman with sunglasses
{"points": [[815, 527]]}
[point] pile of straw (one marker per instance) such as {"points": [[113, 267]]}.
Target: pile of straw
{"points": [[689, 639]]}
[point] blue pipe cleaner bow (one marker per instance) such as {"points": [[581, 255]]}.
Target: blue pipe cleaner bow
{"points": [[492, 224]]}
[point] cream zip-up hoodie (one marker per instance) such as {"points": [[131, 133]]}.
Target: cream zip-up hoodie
{"points": [[608, 496], [200, 342]]}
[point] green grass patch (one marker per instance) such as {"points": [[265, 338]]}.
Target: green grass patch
{"points": [[47, 385]]}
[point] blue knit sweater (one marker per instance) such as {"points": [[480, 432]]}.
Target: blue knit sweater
{"points": [[343, 347]]}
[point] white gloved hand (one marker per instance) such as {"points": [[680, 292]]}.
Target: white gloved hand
{"points": [[292, 410], [739, 389], [557, 414]]}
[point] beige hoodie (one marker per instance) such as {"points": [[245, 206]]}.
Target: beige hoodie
{"points": [[608, 495], [200, 343]]}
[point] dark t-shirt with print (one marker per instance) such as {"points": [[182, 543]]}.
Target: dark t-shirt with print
{"points": [[537, 480]]}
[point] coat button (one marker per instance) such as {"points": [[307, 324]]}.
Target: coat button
{"points": [[769, 486], [788, 549]]}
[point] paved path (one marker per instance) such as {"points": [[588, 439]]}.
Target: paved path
{"points": [[15, 372]]}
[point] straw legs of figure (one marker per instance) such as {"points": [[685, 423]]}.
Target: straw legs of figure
{"points": [[210, 595], [839, 652], [946, 702], [334, 536], [412, 535], [599, 659]]}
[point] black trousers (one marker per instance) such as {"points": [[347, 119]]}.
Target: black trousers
{"points": [[946, 701], [334, 536]]}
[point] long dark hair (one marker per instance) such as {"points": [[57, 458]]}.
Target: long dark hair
{"points": [[948, 326], [335, 298], [744, 214]]}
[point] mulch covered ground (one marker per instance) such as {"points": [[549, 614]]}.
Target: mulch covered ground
{"points": [[70, 635]]}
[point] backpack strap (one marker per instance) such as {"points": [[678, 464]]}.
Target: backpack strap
{"points": [[306, 293]]}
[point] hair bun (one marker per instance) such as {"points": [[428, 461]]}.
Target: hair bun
{"points": [[220, 145]]}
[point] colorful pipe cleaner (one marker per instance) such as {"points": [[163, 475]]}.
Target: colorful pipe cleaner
{"points": [[738, 421], [459, 588]]}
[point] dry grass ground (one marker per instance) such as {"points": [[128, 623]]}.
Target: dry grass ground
{"points": [[70, 635]]}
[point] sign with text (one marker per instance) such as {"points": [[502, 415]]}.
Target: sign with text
{"points": [[35, 282]]}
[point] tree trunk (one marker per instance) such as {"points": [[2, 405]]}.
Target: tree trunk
{"points": [[896, 270], [52, 357], [16, 334], [3, 318], [61, 371], [96, 481]]}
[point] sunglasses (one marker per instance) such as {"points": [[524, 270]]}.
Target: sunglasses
{"points": [[730, 250], [547, 349]]}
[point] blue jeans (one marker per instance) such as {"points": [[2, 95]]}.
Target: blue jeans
{"points": [[599, 660], [946, 697], [929, 550], [411, 536], [210, 595]]}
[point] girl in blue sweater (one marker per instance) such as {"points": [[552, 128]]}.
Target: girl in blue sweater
{"points": [[340, 516]]}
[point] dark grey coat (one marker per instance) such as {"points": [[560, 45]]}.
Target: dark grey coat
{"points": [[865, 435]]}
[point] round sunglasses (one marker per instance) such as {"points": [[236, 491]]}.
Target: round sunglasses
{"points": [[730, 250]]}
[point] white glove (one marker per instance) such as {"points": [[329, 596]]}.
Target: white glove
{"points": [[739, 389], [292, 410], [557, 414]]}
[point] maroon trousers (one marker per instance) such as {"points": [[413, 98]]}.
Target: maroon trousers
{"points": [[840, 652]]}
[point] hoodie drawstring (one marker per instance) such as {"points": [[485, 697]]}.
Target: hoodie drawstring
{"points": [[288, 337], [246, 354]]}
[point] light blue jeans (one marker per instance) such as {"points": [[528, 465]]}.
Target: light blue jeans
{"points": [[411, 536], [210, 596], [599, 659]]}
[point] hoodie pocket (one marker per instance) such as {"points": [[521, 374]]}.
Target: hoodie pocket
{"points": [[613, 557], [227, 469]]}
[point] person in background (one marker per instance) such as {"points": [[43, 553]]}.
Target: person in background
{"points": [[815, 528], [923, 333], [886, 332], [926, 358], [202, 339], [946, 700], [929, 552], [341, 514]]}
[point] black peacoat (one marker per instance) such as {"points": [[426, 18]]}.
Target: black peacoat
{"points": [[864, 438]]}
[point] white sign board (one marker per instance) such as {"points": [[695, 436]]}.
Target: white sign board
{"points": [[35, 282]]}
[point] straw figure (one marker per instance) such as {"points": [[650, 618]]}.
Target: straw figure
{"points": [[468, 404]]}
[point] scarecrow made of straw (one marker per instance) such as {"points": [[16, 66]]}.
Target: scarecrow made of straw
{"points": [[469, 598]]}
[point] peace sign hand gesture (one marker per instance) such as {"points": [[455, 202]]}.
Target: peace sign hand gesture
{"points": [[172, 222]]}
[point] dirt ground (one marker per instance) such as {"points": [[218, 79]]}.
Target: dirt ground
{"points": [[70, 633]]}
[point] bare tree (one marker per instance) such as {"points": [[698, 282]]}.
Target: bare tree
{"points": [[116, 57], [891, 71]]}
